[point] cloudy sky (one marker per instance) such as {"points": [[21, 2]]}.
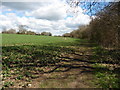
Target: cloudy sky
{"points": [[53, 16]]}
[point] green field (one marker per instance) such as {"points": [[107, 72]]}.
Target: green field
{"points": [[13, 39], [25, 55], [53, 62]]}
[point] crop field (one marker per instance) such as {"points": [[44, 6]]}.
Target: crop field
{"points": [[31, 61], [26, 56]]}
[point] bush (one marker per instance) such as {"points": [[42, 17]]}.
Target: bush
{"points": [[46, 33]]}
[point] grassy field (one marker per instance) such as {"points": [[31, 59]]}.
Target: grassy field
{"points": [[13, 39], [30, 61]]}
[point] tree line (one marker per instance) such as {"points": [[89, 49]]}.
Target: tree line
{"points": [[104, 29], [23, 30]]}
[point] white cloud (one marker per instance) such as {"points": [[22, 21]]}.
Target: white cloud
{"points": [[49, 13], [22, 5], [6, 21], [78, 20], [50, 16], [52, 11]]}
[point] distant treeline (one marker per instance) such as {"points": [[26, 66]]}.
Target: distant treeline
{"points": [[104, 29], [22, 30]]}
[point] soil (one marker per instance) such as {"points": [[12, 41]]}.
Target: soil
{"points": [[73, 71]]}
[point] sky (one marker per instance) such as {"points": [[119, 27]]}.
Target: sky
{"points": [[54, 16]]}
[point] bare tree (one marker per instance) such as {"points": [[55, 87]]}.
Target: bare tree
{"points": [[105, 28], [10, 31], [22, 29], [89, 8], [46, 33]]}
